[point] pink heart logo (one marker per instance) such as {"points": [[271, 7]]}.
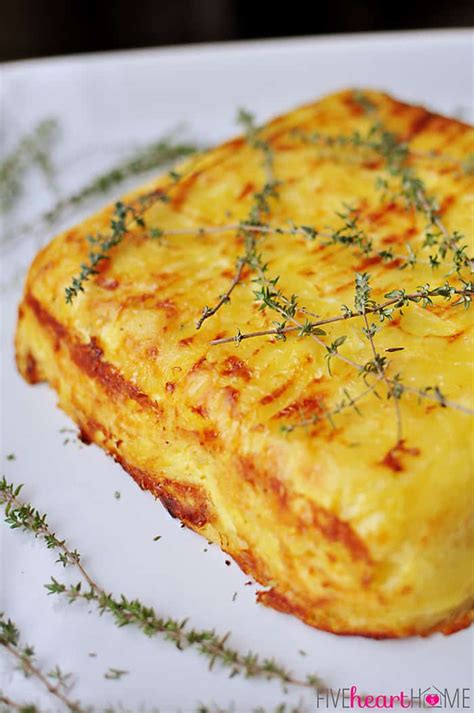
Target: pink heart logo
{"points": [[432, 699]]}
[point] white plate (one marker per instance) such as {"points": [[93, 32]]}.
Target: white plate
{"points": [[105, 101]]}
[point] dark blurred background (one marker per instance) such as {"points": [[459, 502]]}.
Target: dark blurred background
{"points": [[36, 28]]}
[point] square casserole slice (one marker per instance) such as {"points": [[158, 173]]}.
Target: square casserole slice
{"points": [[349, 524]]}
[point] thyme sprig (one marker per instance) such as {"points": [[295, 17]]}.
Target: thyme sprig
{"points": [[58, 684], [254, 138], [152, 156], [348, 401], [32, 150], [200, 708], [396, 156], [398, 300], [271, 297], [213, 647], [26, 660], [126, 611], [394, 153], [363, 302], [225, 297], [268, 295], [11, 705], [260, 207], [350, 234], [358, 140], [123, 218], [115, 674]]}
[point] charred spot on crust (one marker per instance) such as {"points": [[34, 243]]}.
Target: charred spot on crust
{"points": [[372, 165], [183, 188], [367, 262], [208, 435], [87, 430], [455, 336], [393, 457], [220, 335], [84, 437], [201, 363], [377, 217], [279, 490], [401, 237], [419, 123], [246, 191], [30, 371], [71, 237], [230, 274], [376, 260], [446, 204], [232, 395], [354, 107], [168, 306], [236, 367], [248, 469], [303, 408], [234, 144], [275, 394], [457, 623], [184, 501], [200, 410], [274, 599], [247, 562]]}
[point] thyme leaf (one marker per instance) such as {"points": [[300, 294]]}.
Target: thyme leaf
{"points": [[131, 612], [33, 150], [26, 661]]}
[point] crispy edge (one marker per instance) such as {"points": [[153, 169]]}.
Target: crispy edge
{"points": [[188, 502]]}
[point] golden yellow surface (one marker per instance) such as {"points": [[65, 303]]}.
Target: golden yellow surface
{"points": [[347, 532]]}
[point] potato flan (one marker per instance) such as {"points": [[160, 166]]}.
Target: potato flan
{"points": [[273, 340]]}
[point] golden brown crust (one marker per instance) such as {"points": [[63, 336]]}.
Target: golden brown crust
{"points": [[184, 501], [347, 530], [456, 622]]}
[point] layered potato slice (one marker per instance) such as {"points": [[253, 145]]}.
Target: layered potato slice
{"points": [[356, 519]]}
